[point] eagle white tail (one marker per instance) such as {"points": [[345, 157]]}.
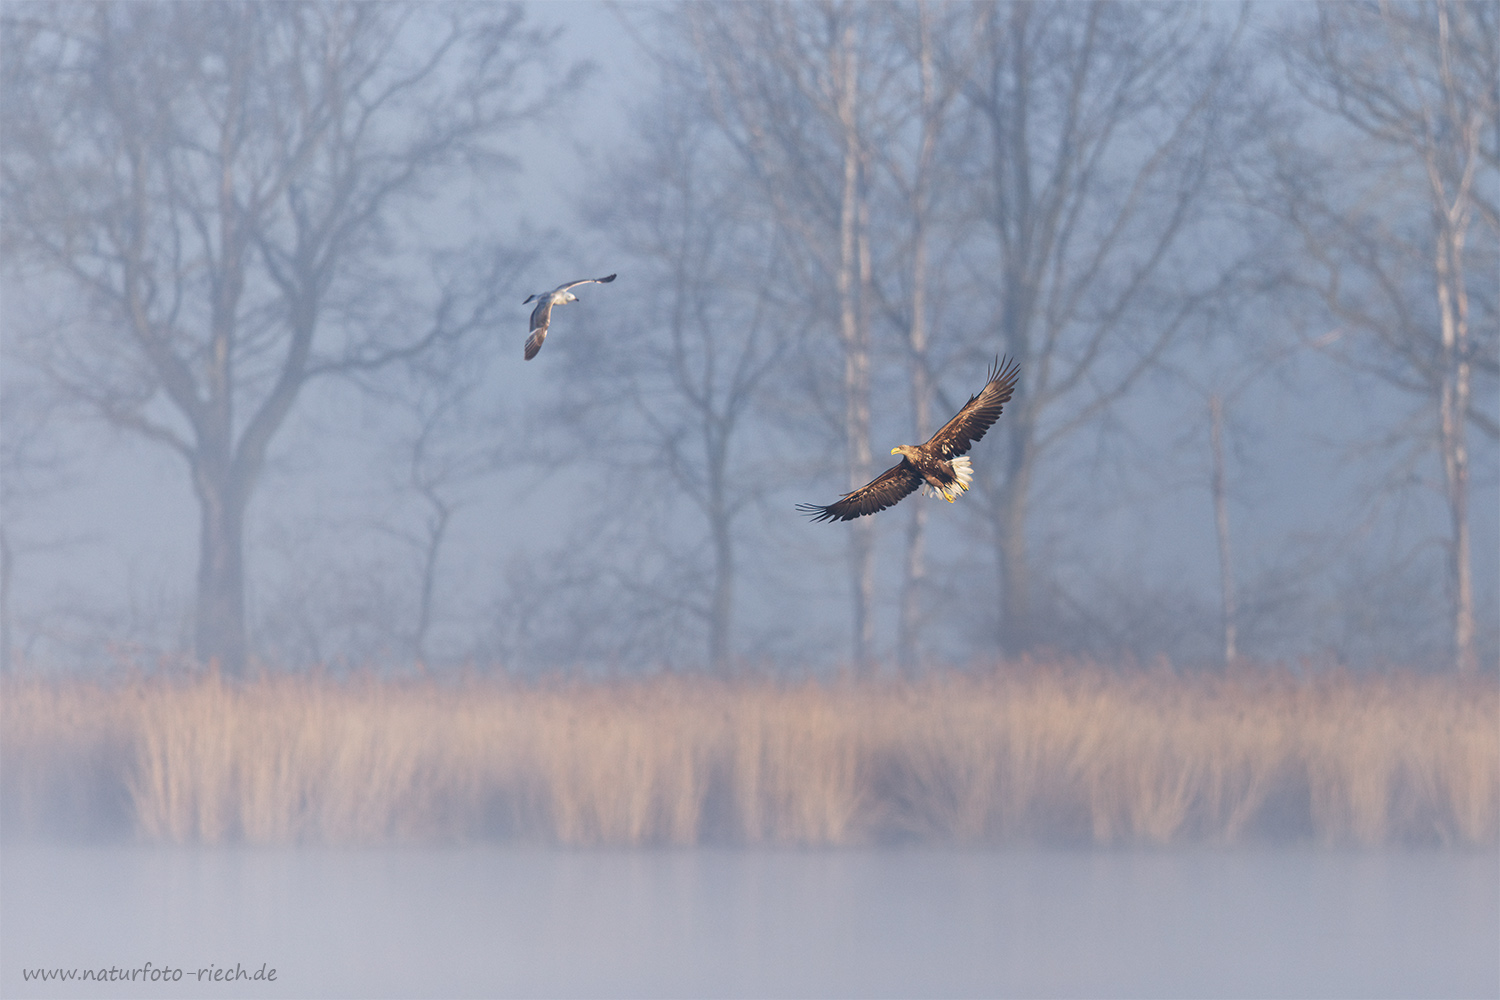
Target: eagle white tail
{"points": [[963, 473]]}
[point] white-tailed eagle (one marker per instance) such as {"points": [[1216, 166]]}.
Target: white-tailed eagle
{"points": [[937, 463]]}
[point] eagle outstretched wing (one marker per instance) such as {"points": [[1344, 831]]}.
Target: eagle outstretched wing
{"points": [[977, 415], [889, 488]]}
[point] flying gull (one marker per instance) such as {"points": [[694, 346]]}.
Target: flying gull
{"points": [[541, 316]]}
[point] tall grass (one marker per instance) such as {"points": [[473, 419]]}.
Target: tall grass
{"points": [[1022, 754]]}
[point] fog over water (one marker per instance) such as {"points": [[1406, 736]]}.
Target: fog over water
{"points": [[858, 923]]}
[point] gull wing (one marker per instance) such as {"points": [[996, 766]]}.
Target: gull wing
{"points": [[541, 317], [584, 281]]}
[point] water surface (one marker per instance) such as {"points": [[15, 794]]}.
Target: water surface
{"points": [[877, 923]]}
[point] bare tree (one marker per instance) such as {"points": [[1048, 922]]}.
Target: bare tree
{"points": [[441, 464], [1400, 220], [1103, 129], [1096, 133], [218, 183], [670, 383], [1229, 598], [916, 174], [790, 86]]}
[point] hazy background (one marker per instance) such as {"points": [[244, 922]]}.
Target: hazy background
{"points": [[1243, 231], [269, 260]]}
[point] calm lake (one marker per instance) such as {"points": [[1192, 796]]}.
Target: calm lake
{"points": [[497, 921]]}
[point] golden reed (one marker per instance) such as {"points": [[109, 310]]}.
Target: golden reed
{"points": [[1025, 753]]}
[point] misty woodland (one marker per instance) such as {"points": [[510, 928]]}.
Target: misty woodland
{"points": [[297, 547]]}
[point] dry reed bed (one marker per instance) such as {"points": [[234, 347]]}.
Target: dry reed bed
{"points": [[1076, 753]]}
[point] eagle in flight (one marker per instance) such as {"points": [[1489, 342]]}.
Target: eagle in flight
{"points": [[937, 463], [541, 316]]}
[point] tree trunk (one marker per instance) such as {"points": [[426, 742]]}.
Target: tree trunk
{"points": [[437, 530], [1015, 626], [1453, 403], [1229, 603], [854, 333], [1015, 576], [1017, 318], [6, 565], [909, 636], [1453, 199], [909, 639], [721, 612], [220, 639]]}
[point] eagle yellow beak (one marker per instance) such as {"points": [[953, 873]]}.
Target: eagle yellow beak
{"points": [[895, 450]]}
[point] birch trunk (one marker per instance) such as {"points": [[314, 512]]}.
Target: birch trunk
{"points": [[909, 636], [853, 280]]}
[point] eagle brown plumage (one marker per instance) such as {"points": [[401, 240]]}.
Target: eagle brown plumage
{"points": [[937, 463]]}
